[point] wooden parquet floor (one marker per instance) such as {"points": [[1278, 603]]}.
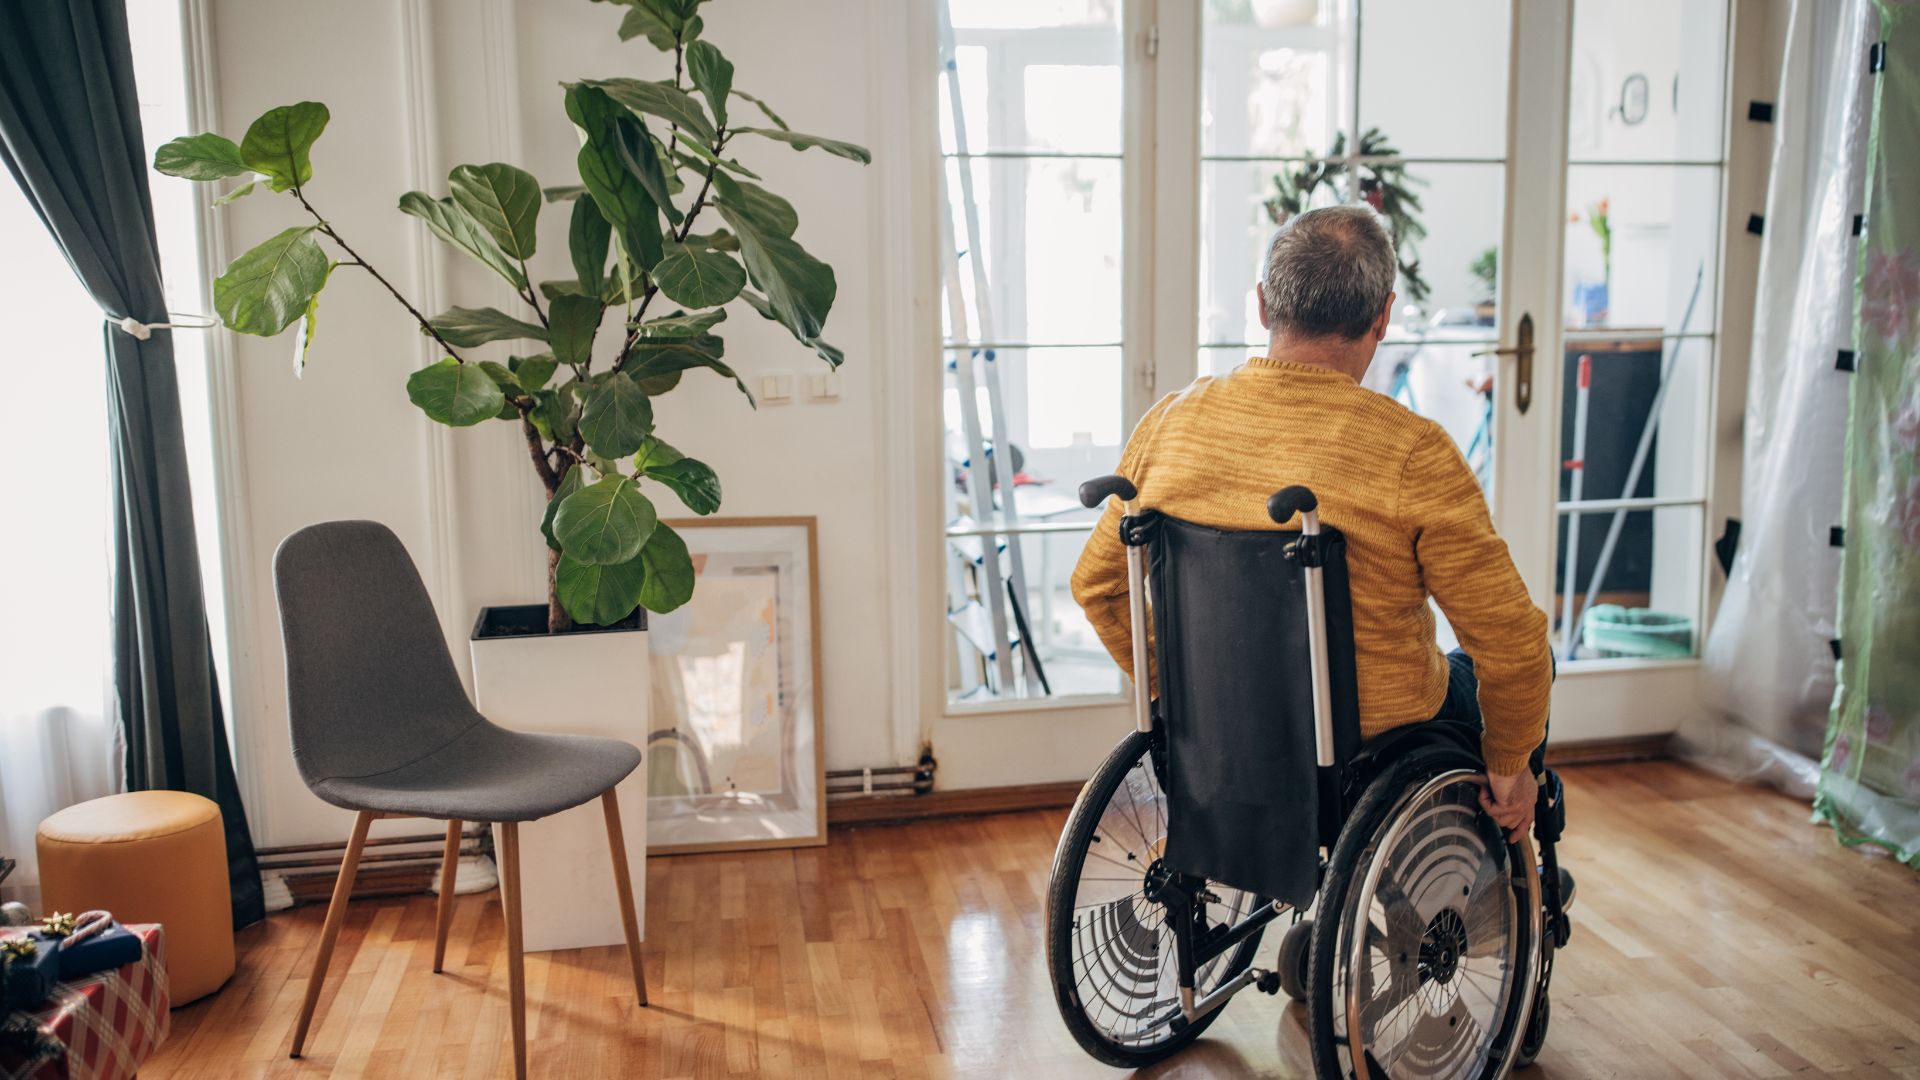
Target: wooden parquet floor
{"points": [[1717, 933]]}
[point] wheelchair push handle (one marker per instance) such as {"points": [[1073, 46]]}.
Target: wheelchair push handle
{"points": [[1096, 491], [1288, 501]]}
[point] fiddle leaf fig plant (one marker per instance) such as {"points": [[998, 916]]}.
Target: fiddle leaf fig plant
{"points": [[589, 354]]}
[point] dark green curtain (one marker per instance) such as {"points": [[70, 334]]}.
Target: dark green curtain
{"points": [[70, 135]]}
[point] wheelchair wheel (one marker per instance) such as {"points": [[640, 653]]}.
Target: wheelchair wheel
{"points": [[1426, 948], [1110, 950], [1296, 949]]}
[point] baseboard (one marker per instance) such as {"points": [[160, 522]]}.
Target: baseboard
{"points": [[969, 802], [1605, 751], [964, 802]]}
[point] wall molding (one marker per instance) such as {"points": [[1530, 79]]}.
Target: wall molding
{"points": [[1015, 798], [421, 136], [246, 669]]}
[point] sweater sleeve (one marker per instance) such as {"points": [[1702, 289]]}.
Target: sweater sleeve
{"points": [[1099, 580], [1470, 573]]}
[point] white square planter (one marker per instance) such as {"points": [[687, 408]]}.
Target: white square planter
{"points": [[587, 683]]}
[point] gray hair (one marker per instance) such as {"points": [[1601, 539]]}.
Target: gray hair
{"points": [[1328, 272]]}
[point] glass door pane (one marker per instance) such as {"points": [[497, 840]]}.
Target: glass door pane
{"points": [[1032, 137], [1645, 133], [1286, 87]]}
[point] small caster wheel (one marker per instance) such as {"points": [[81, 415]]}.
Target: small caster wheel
{"points": [[1536, 1037], [1292, 967]]}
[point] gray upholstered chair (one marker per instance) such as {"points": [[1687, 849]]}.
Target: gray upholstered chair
{"points": [[382, 726]]}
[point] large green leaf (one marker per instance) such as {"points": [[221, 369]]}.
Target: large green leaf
{"points": [[570, 481], [772, 211], [467, 327], [654, 453], [532, 372], [640, 153], [587, 237], [798, 141], [572, 320], [832, 355], [799, 287], [563, 192], [713, 74], [277, 145], [691, 274], [455, 394], [617, 416], [504, 200], [616, 191], [641, 21], [605, 523], [205, 156], [599, 595], [771, 116], [556, 413], [266, 289], [657, 362], [659, 99], [665, 23], [669, 578], [682, 325], [451, 224], [693, 481]]}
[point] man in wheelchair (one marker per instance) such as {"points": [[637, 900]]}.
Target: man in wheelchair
{"points": [[1337, 760]]}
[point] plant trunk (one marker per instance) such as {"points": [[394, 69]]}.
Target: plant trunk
{"points": [[558, 621]]}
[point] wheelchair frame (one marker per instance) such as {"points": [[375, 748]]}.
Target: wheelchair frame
{"points": [[1196, 943]]}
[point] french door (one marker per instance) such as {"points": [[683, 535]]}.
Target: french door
{"points": [[1553, 172]]}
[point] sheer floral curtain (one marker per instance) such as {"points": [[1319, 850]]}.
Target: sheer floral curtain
{"points": [[58, 744]]}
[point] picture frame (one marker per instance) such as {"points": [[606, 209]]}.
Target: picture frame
{"points": [[735, 724]]}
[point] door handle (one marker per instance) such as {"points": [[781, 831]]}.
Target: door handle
{"points": [[1522, 352]]}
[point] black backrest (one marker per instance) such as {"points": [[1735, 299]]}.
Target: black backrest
{"points": [[1247, 802]]}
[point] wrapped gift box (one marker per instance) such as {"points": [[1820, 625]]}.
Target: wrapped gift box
{"points": [[113, 947], [31, 975], [109, 1023]]}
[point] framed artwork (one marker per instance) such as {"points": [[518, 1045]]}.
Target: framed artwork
{"points": [[733, 746]]}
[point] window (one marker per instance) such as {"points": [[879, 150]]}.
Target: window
{"points": [[59, 741], [1032, 137], [1429, 113]]}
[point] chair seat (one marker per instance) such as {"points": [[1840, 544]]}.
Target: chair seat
{"points": [[489, 773]]}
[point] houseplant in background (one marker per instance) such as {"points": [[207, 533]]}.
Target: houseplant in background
{"points": [[654, 169], [1379, 180]]}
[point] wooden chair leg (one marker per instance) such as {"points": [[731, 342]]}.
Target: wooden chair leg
{"points": [[336, 914], [449, 867], [516, 967], [623, 884]]}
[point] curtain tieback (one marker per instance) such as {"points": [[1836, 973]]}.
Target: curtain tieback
{"points": [[143, 331]]}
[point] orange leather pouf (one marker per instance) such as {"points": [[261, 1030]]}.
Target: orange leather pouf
{"points": [[148, 856]]}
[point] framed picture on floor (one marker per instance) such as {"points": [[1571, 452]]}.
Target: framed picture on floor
{"points": [[733, 746]]}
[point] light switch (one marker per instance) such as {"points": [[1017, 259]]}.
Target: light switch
{"points": [[776, 388], [824, 386]]}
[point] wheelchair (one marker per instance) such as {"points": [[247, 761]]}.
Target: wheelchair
{"points": [[1246, 796]]}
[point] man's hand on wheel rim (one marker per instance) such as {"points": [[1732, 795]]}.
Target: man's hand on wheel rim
{"points": [[1509, 798]]}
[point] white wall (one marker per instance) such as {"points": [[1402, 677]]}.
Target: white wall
{"points": [[479, 81]]}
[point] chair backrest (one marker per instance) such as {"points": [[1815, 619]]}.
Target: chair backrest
{"points": [[370, 684], [1249, 805]]}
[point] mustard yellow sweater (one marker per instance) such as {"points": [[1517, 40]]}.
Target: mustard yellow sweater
{"points": [[1415, 521]]}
